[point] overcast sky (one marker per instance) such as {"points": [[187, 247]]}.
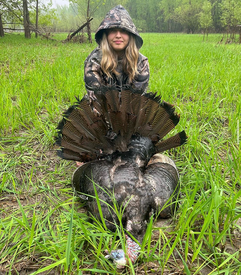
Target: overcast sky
{"points": [[58, 2]]}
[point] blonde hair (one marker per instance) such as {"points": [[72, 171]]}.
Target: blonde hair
{"points": [[109, 60]]}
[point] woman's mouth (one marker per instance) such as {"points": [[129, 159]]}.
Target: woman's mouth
{"points": [[118, 42]]}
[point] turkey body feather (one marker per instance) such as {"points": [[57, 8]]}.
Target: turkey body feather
{"points": [[140, 192], [120, 137]]}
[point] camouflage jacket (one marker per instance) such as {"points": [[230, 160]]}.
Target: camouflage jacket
{"points": [[94, 77]]}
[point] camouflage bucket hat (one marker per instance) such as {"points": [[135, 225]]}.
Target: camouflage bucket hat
{"points": [[118, 17]]}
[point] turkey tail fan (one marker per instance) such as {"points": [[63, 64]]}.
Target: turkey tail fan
{"points": [[93, 131]]}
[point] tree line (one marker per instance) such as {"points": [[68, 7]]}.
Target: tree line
{"points": [[190, 16]]}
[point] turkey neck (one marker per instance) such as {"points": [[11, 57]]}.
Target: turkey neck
{"points": [[141, 149]]}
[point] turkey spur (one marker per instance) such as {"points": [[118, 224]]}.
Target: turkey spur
{"points": [[119, 138]]}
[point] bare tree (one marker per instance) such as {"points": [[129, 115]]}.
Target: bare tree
{"points": [[36, 25], [88, 22], [1, 26], [26, 19]]}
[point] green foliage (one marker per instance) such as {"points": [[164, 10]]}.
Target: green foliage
{"points": [[149, 16], [168, 8], [205, 19], [87, 8], [187, 15], [46, 15], [11, 11], [67, 19], [145, 14], [231, 13], [43, 227]]}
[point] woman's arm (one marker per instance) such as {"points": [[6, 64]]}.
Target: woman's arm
{"points": [[92, 73], [141, 80]]}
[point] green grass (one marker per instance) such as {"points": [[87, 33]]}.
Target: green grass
{"points": [[43, 227]]}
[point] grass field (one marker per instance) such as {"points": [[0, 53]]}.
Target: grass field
{"points": [[44, 229]]}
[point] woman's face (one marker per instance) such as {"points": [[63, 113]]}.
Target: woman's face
{"points": [[118, 39]]}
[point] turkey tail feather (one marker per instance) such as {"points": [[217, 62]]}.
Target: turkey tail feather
{"points": [[89, 132], [171, 142]]}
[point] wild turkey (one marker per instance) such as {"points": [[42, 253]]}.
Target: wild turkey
{"points": [[119, 136]]}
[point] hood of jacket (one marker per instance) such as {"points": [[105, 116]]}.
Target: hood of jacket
{"points": [[118, 17]]}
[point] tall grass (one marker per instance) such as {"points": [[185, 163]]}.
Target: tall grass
{"points": [[43, 227]]}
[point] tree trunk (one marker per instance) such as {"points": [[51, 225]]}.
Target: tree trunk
{"points": [[26, 19], [89, 32], [1, 27], [36, 33], [88, 24], [240, 34]]}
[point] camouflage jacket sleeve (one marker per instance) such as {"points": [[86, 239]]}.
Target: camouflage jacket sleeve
{"points": [[141, 80], [93, 74]]}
